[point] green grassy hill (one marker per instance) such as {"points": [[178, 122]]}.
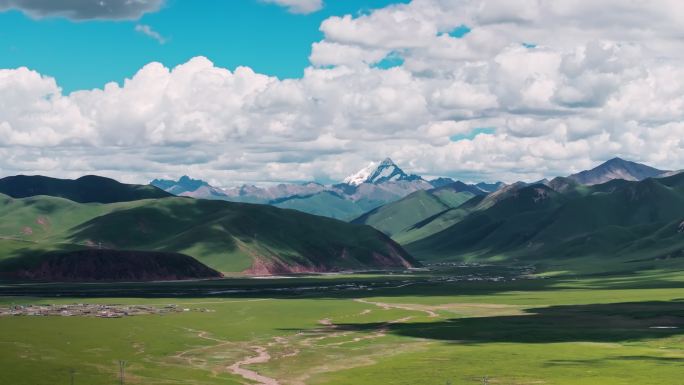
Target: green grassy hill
{"points": [[394, 217], [398, 218], [86, 189], [228, 237], [633, 223], [447, 218]]}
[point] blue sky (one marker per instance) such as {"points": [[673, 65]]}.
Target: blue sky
{"points": [[472, 134], [88, 54]]}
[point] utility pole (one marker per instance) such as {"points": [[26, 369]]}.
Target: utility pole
{"points": [[72, 372], [485, 380], [122, 371]]}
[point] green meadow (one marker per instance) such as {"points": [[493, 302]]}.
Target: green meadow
{"points": [[420, 328]]}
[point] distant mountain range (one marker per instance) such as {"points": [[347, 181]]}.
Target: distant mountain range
{"points": [[373, 186], [376, 185], [436, 213], [620, 215]]}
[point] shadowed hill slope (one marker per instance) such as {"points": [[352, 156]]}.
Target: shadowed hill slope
{"points": [[108, 265], [616, 221]]}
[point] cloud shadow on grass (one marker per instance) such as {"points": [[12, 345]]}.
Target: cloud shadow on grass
{"points": [[604, 323]]}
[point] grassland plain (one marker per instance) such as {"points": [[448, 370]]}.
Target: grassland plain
{"points": [[610, 329]]}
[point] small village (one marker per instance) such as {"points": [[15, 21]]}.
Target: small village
{"points": [[92, 310]]}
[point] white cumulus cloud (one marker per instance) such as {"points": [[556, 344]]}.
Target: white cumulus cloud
{"points": [[534, 89]]}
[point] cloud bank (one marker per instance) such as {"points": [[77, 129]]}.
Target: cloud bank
{"points": [[84, 9], [559, 86]]}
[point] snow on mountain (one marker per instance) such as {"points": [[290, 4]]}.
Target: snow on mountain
{"points": [[274, 192], [361, 176], [383, 182], [385, 171]]}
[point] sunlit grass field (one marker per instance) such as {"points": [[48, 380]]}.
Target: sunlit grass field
{"points": [[587, 330]]}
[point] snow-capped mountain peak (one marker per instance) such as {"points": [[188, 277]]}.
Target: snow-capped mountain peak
{"points": [[376, 173]]}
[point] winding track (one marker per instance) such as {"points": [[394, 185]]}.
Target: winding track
{"points": [[387, 306], [327, 325], [261, 358]]}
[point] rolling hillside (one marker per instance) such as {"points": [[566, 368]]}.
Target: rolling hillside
{"points": [[416, 223], [228, 237], [397, 218], [617, 222]]}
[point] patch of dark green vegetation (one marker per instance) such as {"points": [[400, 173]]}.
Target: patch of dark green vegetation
{"points": [[108, 265], [87, 189]]}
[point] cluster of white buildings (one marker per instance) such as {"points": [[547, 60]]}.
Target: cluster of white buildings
{"points": [[90, 310]]}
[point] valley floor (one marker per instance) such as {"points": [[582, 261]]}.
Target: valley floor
{"points": [[370, 329]]}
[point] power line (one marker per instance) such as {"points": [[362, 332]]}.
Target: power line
{"points": [[122, 371]]}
